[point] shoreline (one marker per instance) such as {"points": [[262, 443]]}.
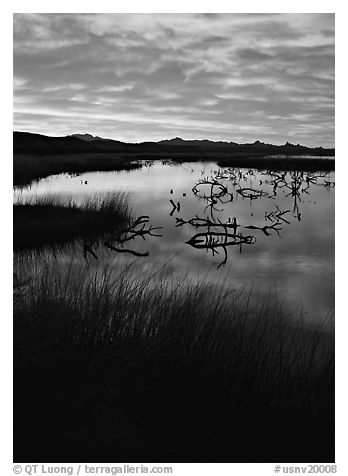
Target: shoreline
{"points": [[27, 168]]}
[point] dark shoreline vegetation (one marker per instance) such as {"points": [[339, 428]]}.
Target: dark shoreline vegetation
{"points": [[146, 369], [27, 168], [49, 220], [37, 156]]}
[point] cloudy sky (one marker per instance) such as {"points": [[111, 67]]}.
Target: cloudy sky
{"points": [[137, 77]]}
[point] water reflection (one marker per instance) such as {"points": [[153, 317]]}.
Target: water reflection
{"points": [[212, 240], [116, 241], [214, 191], [249, 227]]}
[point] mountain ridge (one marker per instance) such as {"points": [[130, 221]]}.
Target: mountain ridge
{"points": [[87, 137], [27, 142]]}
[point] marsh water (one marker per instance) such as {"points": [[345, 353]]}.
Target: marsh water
{"points": [[265, 230]]}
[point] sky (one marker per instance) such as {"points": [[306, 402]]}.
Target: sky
{"points": [[139, 77]]}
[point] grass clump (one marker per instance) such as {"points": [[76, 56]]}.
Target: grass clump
{"points": [[49, 220], [141, 368]]}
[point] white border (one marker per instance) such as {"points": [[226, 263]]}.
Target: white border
{"points": [[341, 173]]}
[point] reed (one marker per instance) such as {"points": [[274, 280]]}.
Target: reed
{"points": [[121, 366], [52, 220]]}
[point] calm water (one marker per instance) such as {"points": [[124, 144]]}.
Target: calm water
{"points": [[268, 230]]}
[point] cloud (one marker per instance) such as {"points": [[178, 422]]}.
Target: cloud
{"points": [[253, 55], [138, 77]]}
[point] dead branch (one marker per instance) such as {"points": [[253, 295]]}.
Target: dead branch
{"points": [[265, 229], [251, 193], [176, 206], [125, 250], [277, 215], [198, 222], [211, 241], [213, 185], [217, 240], [137, 228]]}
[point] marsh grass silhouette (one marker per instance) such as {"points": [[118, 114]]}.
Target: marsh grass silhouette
{"points": [[139, 367], [51, 220]]}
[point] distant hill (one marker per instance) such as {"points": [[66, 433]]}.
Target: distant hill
{"points": [[256, 146], [87, 137], [37, 144], [27, 143], [199, 143]]}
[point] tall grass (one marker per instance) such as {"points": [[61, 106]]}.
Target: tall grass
{"points": [[49, 220], [133, 367]]}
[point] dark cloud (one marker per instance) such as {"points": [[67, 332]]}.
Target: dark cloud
{"points": [[253, 55], [150, 76]]}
